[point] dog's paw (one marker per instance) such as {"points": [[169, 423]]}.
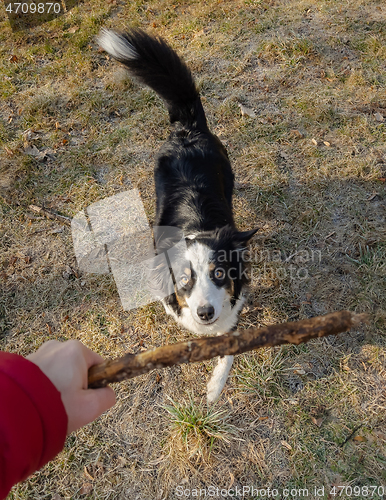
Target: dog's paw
{"points": [[218, 380], [213, 391]]}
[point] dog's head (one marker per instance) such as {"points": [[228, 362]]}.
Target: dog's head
{"points": [[206, 275]]}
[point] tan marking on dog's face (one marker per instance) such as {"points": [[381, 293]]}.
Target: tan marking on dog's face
{"points": [[187, 271], [231, 289], [180, 299], [212, 266]]}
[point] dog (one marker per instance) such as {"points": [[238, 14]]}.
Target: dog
{"points": [[194, 184]]}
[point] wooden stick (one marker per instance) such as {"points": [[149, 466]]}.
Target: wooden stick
{"points": [[132, 365], [51, 215]]}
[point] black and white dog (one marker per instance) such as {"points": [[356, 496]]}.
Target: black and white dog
{"points": [[194, 184]]}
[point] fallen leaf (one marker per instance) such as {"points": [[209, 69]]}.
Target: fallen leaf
{"points": [[14, 59], [232, 481], [299, 371], [74, 29], [12, 261], [372, 196], [326, 143], [381, 179], [314, 142], [379, 117], [86, 489], [317, 421], [87, 474], [286, 445], [296, 133], [359, 439], [57, 231], [65, 199]]}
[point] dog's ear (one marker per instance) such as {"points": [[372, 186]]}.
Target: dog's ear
{"points": [[244, 236]]}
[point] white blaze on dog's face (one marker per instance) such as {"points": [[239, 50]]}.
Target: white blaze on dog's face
{"points": [[206, 300]]}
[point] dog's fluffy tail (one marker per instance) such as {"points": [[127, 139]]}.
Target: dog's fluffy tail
{"points": [[155, 64]]}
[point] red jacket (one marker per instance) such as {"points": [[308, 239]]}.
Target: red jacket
{"points": [[33, 421]]}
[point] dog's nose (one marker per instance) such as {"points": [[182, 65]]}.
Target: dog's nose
{"points": [[206, 312]]}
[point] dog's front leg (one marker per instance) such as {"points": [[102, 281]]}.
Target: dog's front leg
{"points": [[219, 378]]}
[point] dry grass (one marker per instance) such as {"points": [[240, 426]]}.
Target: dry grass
{"points": [[310, 171]]}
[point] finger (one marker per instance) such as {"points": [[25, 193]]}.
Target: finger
{"points": [[107, 398], [91, 357], [91, 403], [99, 400]]}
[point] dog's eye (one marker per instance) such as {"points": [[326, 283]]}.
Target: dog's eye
{"points": [[219, 273], [184, 280]]}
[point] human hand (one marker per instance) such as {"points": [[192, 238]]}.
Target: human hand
{"points": [[66, 364]]}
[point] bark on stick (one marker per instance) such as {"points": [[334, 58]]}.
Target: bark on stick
{"points": [[200, 349]]}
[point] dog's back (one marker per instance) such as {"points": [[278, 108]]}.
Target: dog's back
{"points": [[193, 176]]}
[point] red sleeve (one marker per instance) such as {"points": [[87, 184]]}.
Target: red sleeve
{"points": [[33, 421]]}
